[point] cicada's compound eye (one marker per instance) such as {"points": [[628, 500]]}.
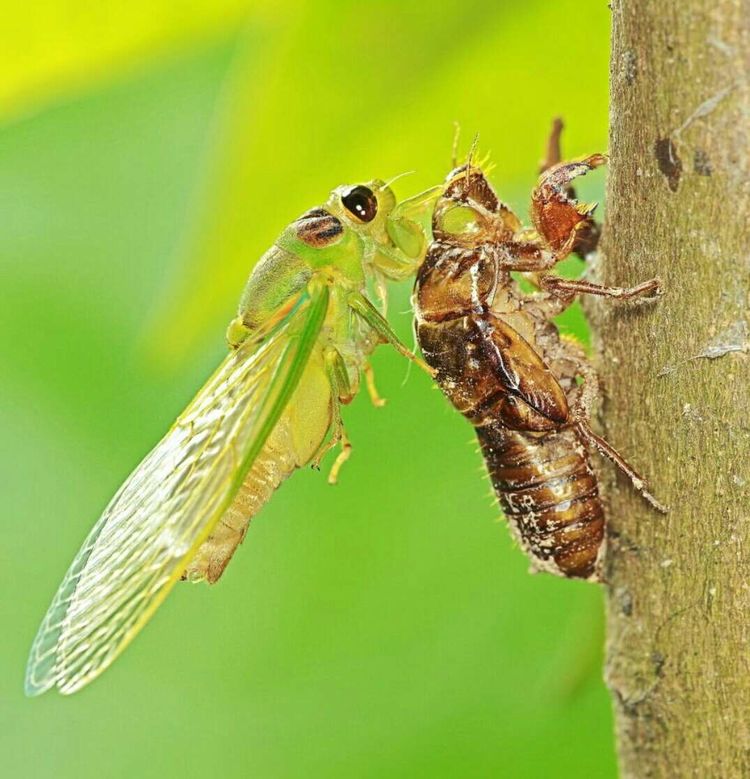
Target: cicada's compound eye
{"points": [[361, 203], [459, 220]]}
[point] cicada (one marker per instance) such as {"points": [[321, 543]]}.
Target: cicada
{"points": [[310, 316], [501, 361]]}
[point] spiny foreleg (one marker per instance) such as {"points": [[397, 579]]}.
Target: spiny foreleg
{"points": [[569, 288], [564, 223]]}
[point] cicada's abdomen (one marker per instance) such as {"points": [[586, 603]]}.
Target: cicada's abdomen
{"points": [[274, 464], [297, 437], [549, 493]]}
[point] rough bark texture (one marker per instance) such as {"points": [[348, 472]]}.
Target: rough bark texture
{"points": [[677, 375]]}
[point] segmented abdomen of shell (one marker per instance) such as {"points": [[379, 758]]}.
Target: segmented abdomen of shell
{"points": [[539, 466], [549, 493]]}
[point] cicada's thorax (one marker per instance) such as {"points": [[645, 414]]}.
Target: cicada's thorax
{"points": [[484, 339]]}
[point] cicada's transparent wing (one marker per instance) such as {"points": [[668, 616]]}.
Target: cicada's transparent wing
{"points": [[168, 506]]}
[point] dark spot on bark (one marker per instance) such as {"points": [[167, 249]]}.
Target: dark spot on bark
{"points": [[669, 162], [630, 67], [638, 709], [658, 659], [701, 163], [622, 542]]}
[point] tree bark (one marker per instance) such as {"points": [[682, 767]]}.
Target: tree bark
{"points": [[677, 381]]}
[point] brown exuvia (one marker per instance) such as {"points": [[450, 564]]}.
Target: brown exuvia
{"points": [[499, 358]]}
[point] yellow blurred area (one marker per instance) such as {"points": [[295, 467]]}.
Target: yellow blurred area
{"points": [[51, 49]]}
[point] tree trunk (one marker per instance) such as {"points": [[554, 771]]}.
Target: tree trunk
{"points": [[677, 380]]}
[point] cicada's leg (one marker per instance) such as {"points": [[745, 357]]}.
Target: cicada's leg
{"points": [[587, 394], [587, 239], [343, 456], [561, 293], [551, 304], [371, 316], [564, 224], [341, 394], [372, 390], [528, 255], [569, 288], [606, 449]]}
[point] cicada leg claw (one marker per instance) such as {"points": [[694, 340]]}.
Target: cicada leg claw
{"points": [[372, 389]]}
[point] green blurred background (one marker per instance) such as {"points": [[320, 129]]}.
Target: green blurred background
{"points": [[387, 627]]}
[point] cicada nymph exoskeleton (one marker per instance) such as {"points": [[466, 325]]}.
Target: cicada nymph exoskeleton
{"points": [[501, 361]]}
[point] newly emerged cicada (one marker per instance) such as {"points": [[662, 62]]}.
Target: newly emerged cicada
{"points": [[300, 343], [501, 361]]}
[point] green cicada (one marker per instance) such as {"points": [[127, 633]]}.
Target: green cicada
{"points": [[305, 330]]}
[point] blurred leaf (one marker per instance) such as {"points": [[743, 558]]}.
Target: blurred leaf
{"points": [[52, 48], [378, 98]]}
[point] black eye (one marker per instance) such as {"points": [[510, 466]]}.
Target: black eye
{"points": [[361, 202]]}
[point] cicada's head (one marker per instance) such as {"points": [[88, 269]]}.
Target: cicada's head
{"points": [[393, 235], [468, 210]]}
